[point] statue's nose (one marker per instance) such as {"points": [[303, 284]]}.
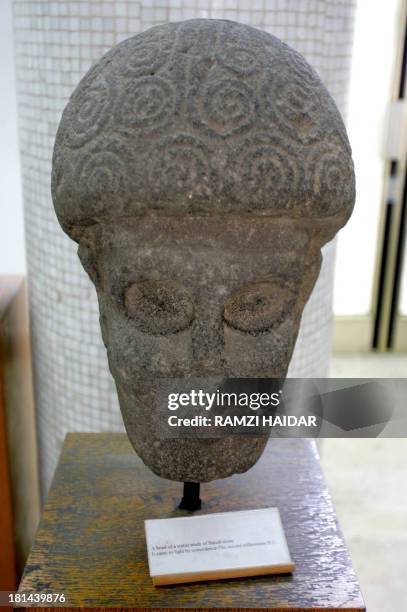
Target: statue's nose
{"points": [[207, 339]]}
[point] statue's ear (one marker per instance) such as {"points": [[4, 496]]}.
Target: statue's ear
{"points": [[310, 275], [87, 255]]}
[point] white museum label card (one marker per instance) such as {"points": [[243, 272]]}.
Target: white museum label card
{"points": [[213, 546]]}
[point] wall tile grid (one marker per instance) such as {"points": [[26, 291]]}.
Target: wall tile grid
{"points": [[55, 44]]}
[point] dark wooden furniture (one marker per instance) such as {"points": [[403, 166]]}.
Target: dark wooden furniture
{"points": [[19, 482], [8, 569], [91, 543]]}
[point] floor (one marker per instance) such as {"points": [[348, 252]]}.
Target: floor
{"points": [[368, 483]]}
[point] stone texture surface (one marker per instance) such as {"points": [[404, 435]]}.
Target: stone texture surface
{"points": [[200, 166]]}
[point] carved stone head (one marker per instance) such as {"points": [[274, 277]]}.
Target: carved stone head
{"points": [[200, 166]]}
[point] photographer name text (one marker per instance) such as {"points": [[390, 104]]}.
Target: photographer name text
{"points": [[252, 420]]}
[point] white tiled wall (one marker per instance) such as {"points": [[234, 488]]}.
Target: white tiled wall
{"points": [[12, 256], [56, 41]]}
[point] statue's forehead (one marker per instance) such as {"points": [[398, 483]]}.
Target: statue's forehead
{"points": [[128, 257], [241, 238]]}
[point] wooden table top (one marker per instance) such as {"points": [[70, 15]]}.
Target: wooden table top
{"points": [[91, 542]]}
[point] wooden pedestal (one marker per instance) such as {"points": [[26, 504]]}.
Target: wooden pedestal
{"points": [[91, 544]]}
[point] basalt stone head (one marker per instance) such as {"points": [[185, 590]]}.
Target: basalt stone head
{"points": [[200, 166]]}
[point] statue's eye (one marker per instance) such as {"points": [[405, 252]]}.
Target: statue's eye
{"points": [[259, 307], [159, 307]]}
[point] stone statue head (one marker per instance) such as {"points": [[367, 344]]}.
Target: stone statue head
{"points": [[200, 166]]}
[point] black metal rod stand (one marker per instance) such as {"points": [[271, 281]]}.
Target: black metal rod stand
{"points": [[191, 500]]}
